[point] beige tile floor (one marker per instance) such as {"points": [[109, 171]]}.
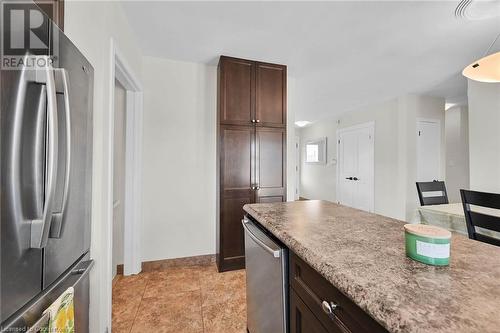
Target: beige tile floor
{"points": [[181, 300]]}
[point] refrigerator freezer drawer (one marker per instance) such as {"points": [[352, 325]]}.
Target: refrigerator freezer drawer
{"points": [[31, 315]]}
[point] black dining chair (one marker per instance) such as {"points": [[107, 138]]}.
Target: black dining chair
{"points": [[475, 219], [435, 187]]}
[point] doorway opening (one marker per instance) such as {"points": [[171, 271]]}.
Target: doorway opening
{"points": [[121, 242], [126, 168], [356, 166], [119, 138]]}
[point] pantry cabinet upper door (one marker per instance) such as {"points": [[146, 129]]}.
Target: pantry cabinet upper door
{"points": [[270, 95], [237, 91]]}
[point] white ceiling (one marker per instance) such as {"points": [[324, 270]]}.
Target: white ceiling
{"points": [[341, 54]]}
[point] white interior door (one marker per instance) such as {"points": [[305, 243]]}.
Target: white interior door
{"points": [[356, 167], [428, 150], [348, 166], [364, 191]]}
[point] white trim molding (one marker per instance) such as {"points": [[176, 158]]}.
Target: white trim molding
{"points": [[122, 72], [133, 161], [133, 188]]}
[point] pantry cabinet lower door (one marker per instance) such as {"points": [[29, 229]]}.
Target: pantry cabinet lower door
{"points": [[236, 182]]}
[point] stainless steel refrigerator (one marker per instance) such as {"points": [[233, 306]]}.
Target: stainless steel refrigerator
{"points": [[46, 175]]}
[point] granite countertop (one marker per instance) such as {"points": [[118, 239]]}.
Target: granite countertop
{"points": [[363, 255]]}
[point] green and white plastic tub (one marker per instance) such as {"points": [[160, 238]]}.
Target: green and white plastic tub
{"points": [[428, 244]]}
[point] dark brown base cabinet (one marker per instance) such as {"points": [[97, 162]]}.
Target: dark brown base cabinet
{"points": [[302, 320], [308, 313], [251, 148]]}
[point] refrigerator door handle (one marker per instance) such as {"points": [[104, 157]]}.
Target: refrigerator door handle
{"points": [[40, 227], [61, 75], [40, 159], [41, 324], [83, 269]]}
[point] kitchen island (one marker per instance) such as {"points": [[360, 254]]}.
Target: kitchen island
{"points": [[362, 255]]}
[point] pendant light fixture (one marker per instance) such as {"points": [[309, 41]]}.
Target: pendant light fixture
{"points": [[486, 69]]}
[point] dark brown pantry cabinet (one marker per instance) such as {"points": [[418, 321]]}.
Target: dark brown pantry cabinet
{"points": [[251, 152]]}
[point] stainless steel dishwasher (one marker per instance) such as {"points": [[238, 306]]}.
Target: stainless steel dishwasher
{"points": [[267, 281]]}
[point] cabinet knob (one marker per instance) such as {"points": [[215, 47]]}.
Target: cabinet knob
{"points": [[328, 307], [257, 121], [253, 121], [255, 187]]}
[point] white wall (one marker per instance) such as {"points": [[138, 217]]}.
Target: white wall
{"points": [[91, 25], [410, 109], [457, 151], [319, 181], [484, 136], [395, 152], [179, 148]]}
